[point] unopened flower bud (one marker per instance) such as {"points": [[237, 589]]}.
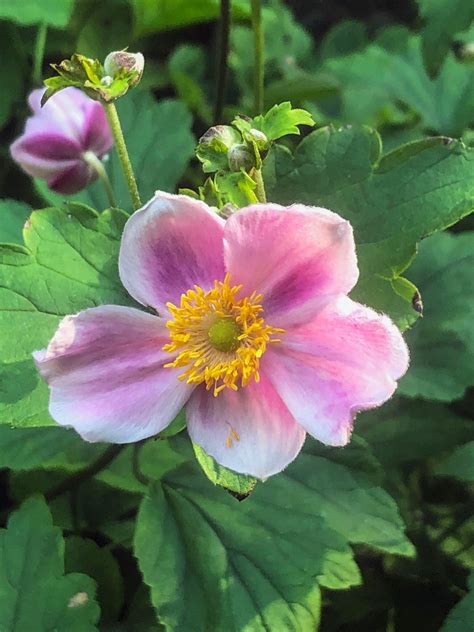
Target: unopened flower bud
{"points": [[258, 136], [240, 157], [122, 60]]}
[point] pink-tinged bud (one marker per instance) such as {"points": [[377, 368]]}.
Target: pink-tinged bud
{"points": [[122, 60], [57, 136]]}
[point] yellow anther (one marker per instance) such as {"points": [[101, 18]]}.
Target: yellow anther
{"points": [[219, 337]]}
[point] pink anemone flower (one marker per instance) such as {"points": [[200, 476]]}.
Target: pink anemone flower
{"points": [[254, 334], [59, 136]]}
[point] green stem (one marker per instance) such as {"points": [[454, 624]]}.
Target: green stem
{"points": [[259, 62], [260, 189], [73, 481], [224, 32], [127, 169], [99, 168], [40, 45]]}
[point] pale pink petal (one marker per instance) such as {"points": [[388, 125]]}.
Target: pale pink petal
{"points": [[348, 359], [63, 113], [249, 431], [168, 246], [298, 257], [104, 368]]}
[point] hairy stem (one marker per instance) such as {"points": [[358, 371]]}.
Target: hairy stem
{"points": [[127, 169], [99, 168], [224, 31], [259, 61], [260, 189]]}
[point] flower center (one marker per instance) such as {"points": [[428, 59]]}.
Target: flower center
{"points": [[224, 334], [219, 338]]}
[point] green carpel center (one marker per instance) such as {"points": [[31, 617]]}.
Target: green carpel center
{"points": [[224, 334]]}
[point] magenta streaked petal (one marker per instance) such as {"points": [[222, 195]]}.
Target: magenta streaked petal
{"points": [[104, 368], [168, 246], [249, 431], [39, 167], [348, 359], [298, 257], [73, 179], [96, 134], [47, 146]]}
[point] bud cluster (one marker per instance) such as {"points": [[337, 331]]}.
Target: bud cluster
{"points": [[234, 153], [105, 82]]}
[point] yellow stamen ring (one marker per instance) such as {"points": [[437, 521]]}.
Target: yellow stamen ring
{"points": [[219, 338]]}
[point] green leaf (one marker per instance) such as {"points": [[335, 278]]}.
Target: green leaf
{"points": [[442, 343], [282, 120], [392, 202], [187, 66], [241, 484], [85, 556], [105, 28], [215, 563], [34, 592], [69, 263], [155, 16], [459, 464], [13, 215], [378, 79], [345, 37], [236, 188], [49, 448], [212, 562], [443, 19], [160, 144], [178, 424], [29, 12], [405, 431], [343, 492], [462, 615]]}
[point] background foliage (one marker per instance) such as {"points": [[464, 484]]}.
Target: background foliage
{"points": [[377, 536]]}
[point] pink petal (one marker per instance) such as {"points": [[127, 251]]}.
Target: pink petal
{"points": [[249, 431], [73, 179], [104, 368], [168, 246], [298, 257], [45, 155], [348, 359], [97, 136], [63, 113]]}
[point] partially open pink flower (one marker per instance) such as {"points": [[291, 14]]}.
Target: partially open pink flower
{"points": [[256, 336], [57, 137]]}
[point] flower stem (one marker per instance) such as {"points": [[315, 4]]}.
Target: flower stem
{"points": [[224, 30], [99, 168], [79, 477], [127, 169], [40, 44], [260, 189], [259, 63]]}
